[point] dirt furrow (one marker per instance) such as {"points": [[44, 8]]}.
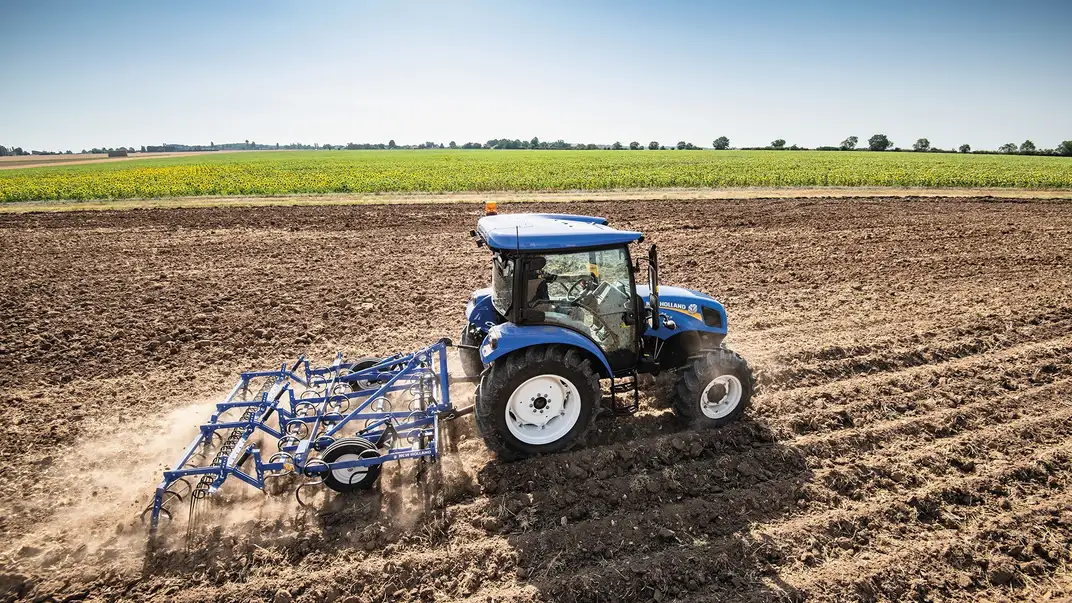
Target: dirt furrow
{"points": [[678, 570]]}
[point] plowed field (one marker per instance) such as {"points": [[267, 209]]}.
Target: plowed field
{"points": [[911, 438]]}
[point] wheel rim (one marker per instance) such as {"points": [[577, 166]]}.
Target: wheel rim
{"points": [[543, 409], [349, 475], [721, 407]]}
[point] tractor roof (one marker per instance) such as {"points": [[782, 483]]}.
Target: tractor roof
{"points": [[548, 232]]}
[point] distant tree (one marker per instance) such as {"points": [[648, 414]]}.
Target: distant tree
{"points": [[879, 142], [689, 146], [617, 146], [391, 144], [681, 145], [922, 145], [721, 143], [142, 148], [634, 145], [277, 146], [453, 145], [3, 151], [247, 143], [591, 146], [965, 148], [1027, 147], [778, 144], [1008, 147], [1064, 149], [849, 143], [211, 144], [534, 143], [653, 145]]}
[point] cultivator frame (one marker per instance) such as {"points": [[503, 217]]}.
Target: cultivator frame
{"points": [[336, 399]]}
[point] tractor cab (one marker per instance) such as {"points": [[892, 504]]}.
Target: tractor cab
{"points": [[564, 297], [575, 274]]}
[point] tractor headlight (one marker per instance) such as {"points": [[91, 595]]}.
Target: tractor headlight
{"points": [[491, 344]]}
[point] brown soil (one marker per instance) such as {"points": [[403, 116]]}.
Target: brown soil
{"points": [[911, 438]]}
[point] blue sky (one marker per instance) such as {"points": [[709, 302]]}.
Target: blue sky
{"points": [[114, 73]]}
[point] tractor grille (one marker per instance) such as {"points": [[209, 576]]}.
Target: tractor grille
{"points": [[712, 318]]}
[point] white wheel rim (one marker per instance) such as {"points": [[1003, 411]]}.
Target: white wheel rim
{"points": [[349, 475], [717, 409], [543, 409]]}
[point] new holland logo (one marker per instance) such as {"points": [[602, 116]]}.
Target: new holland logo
{"points": [[692, 310]]}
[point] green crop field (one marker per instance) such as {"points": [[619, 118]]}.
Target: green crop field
{"points": [[280, 173]]}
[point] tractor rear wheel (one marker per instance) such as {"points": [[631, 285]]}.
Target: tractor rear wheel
{"points": [[472, 366], [537, 400], [714, 389]]}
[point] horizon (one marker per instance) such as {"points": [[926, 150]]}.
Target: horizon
{"points": [[123, 74]]}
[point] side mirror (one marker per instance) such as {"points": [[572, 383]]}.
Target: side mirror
{"points": [[653, 287]]}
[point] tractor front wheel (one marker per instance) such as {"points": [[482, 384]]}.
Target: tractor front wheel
{"points": [[714, 390], [537, 400]]}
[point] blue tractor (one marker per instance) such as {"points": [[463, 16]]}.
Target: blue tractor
{"points": [[563, 313]]}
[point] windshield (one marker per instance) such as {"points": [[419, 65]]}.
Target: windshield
{"points": [[502, 284]]}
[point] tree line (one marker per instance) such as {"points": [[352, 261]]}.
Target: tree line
{"points": [[877, 142]]}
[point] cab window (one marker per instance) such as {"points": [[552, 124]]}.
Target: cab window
{"points": [[590, 292], [502, 284]]}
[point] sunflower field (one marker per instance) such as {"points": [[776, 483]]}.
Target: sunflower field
{"points": [[288, 172]]}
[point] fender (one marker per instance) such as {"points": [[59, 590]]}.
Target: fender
{"points": [[509, 337], [479, 311]]}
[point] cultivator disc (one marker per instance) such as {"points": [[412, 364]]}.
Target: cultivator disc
{"points": [[334, 426]]}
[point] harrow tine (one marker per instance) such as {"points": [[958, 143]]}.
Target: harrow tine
{"points": [[318, 478]]}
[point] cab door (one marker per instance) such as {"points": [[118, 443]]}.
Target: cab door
{"points": [[591, 292]]}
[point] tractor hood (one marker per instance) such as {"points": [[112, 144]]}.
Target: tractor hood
{"points": [[691, 310]]}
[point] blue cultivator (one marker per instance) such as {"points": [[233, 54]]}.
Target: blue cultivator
{"points": [[335, 426]]}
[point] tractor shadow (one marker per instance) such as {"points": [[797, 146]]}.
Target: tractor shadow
{"points": [[668, 515]]}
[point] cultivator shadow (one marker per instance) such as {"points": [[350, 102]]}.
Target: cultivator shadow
{"points": [[334, 426]]}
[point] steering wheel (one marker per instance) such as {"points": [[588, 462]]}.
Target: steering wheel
{"points": [[570, 297]]}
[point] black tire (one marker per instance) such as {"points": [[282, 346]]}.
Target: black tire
{"points": [[508, 373], [357, 481], [698, 374], [470, 358], [363, 363]]}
